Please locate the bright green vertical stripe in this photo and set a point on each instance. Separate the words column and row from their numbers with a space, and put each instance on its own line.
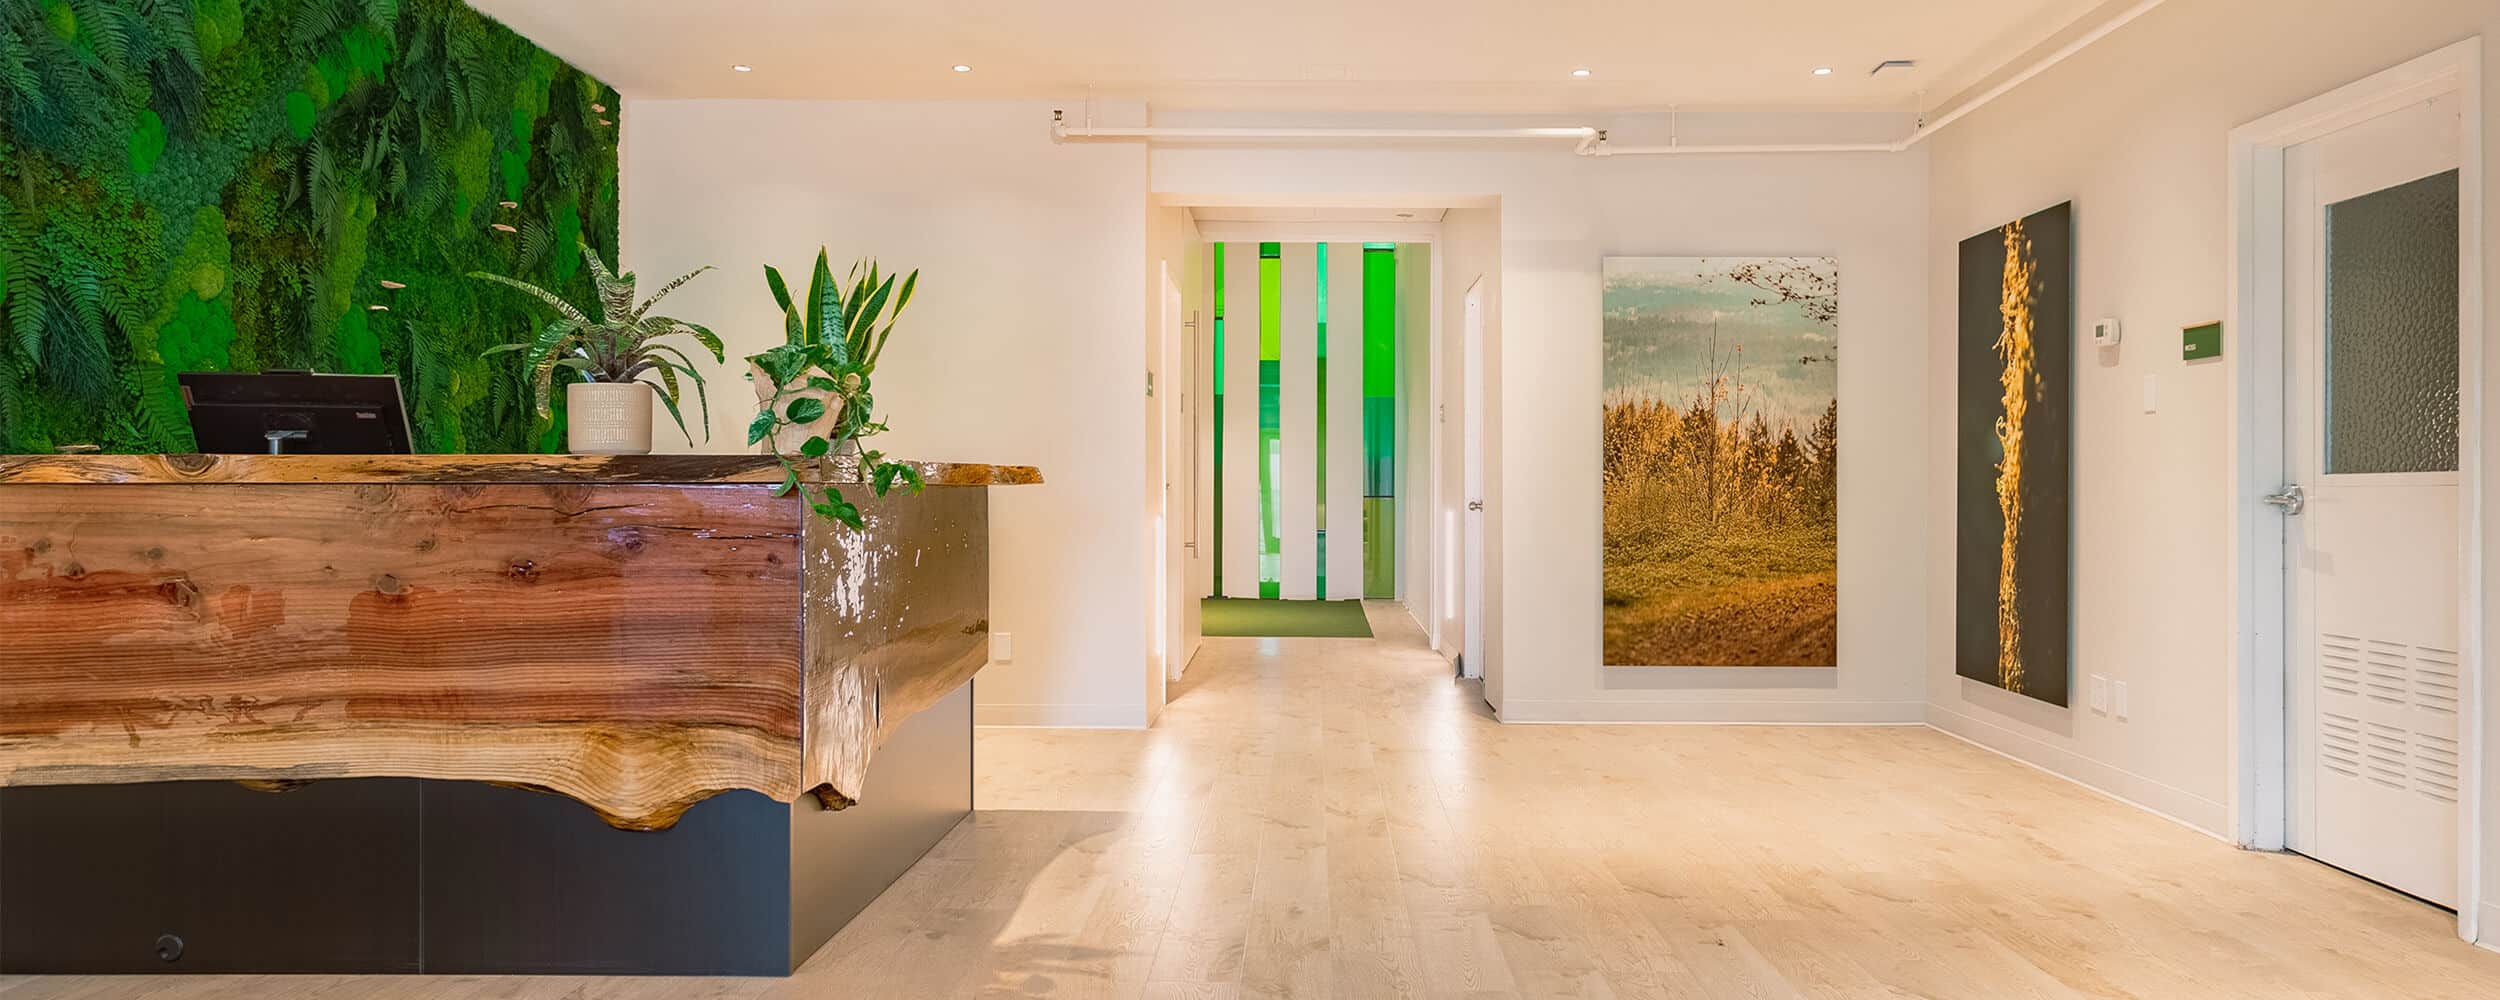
column 1219, row 420
column 1380, row 291
column 1322, row 449
column 1271, row 443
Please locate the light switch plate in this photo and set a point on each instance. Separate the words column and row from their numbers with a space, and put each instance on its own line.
column 2152, row 393
column 2100, row 694
column 1002, row 647
column 2118, row 699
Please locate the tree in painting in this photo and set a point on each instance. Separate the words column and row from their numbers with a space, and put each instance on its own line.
column 1721, row 437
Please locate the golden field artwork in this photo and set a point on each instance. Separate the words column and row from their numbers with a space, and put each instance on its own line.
column 1721, row 440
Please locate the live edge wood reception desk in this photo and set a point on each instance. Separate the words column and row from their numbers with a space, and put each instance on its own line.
column 462, row 714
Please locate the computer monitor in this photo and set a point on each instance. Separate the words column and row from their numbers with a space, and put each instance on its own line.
column 295, row 412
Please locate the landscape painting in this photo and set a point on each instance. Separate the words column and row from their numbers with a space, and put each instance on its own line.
column 1721, row 461
column 2013, row 464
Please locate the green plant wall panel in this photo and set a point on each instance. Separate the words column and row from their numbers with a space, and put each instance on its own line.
column 241, row 185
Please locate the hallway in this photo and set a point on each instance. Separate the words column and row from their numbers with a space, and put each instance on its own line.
column 1336, row 818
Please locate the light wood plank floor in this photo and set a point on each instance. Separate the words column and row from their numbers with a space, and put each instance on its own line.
column 1337, row 818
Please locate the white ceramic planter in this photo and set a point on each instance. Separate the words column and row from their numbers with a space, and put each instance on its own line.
column 787, row 438
column 607, row 418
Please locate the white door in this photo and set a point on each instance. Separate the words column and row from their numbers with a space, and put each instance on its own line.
column 2371, row 243
column 1472, row 659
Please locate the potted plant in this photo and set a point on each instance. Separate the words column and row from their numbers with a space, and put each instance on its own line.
column 814, row 395
column 621, row 357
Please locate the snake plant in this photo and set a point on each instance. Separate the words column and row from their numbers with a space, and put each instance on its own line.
column 831, row 342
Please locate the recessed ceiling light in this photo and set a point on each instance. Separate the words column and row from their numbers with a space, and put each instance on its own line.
column 1822, row 71
column 1580, row 73
column 961, row 68
column 1406, row 215
column 743, row 68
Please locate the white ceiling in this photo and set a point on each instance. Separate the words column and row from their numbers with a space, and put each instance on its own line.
column 1302, row 55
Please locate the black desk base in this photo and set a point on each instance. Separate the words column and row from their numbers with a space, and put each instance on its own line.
column 394, row 875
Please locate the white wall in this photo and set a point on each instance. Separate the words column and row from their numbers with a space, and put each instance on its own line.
column 1558, row 216
column 2133, row 130
column 1023, row 346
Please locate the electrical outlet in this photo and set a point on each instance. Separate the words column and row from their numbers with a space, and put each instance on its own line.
column 2100, row 694
column 1002, row 647
column 2118, row 699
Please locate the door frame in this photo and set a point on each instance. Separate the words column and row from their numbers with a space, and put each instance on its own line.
column 1470, row 558
column 2260, row 724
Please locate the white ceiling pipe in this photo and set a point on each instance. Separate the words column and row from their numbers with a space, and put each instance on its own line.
column 1582, row 135
column 1603, row 149
column 1591, row 141
column 2125, row 17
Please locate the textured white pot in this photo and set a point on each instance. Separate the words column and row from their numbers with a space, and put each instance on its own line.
column 787, row 438
column 607, row 418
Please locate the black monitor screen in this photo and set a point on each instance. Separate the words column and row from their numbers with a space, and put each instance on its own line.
column 296, row 413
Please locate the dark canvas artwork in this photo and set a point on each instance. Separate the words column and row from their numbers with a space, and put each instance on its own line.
column 2013, row 464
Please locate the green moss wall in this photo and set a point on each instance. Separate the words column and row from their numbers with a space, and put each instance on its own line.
column 238, row 185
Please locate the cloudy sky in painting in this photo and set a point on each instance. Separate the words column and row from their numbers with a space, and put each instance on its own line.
column 1660, row 312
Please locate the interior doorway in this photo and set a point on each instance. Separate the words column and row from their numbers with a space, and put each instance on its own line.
column 2359, row 280
column 1313, row 334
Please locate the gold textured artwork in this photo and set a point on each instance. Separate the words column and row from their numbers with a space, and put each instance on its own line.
column 2013, row 470
column 2014, row 345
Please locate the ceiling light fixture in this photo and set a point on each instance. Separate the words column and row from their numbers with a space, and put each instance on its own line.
column 743, row 68
column 1581, row 73
column 961, row 68
column 1822, row 71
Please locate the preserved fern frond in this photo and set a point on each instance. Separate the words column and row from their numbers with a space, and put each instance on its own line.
column 383, row 13
column 316, row 21
column 76, row 360
column 107, row 26
column 536, row 238
column 18, row 81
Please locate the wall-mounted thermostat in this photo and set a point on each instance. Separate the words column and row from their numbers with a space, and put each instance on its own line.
column 2105, row 333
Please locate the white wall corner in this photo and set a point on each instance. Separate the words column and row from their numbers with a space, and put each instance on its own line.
column 2196, row 812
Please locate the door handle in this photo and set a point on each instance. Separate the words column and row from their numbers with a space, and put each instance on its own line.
column 2291, row 500
column 1475, row 505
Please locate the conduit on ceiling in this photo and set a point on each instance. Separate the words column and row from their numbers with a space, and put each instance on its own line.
column 1588, row 140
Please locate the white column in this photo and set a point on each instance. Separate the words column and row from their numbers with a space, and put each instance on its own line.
column 1345, row 421
column 1241, row 420
column 1297, row 477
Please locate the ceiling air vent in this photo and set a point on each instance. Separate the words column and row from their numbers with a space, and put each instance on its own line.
column 1892, row 64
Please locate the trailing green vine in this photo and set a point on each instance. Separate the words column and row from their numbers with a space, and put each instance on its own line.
column 231, row 185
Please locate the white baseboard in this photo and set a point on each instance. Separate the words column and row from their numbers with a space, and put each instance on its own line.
column 1060, row 716
column 1717, row 713
column 2169, row 802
